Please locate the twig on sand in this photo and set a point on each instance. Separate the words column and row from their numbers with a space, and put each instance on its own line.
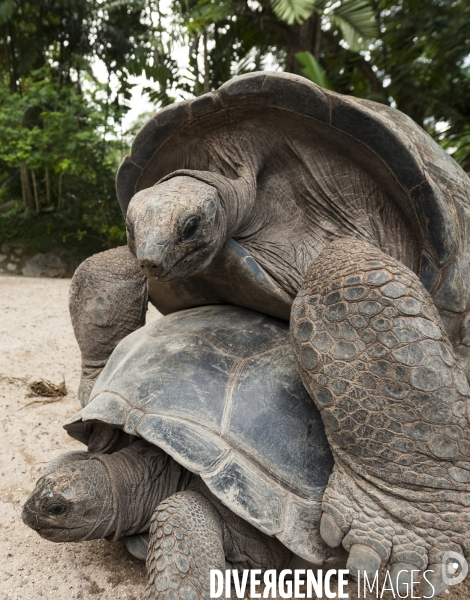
column 46, row 388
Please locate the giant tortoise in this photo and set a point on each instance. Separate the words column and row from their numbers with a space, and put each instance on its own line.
column 346, row 218
column 230, row 463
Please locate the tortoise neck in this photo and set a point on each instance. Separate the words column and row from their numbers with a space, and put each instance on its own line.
column 141, row 476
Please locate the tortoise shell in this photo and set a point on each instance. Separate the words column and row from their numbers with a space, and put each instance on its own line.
column 216, row 387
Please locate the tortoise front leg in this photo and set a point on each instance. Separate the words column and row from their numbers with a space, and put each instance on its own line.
column 108, row 301
column 190, row 534
column 374, row 355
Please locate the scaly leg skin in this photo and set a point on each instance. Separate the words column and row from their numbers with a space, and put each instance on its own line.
column 374, row 355
column 108, row 301
column 192, row 533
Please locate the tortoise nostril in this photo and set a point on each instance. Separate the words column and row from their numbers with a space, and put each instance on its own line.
column 151, row 267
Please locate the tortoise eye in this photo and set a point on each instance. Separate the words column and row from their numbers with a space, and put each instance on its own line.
column 189, row 228
column 56, row 509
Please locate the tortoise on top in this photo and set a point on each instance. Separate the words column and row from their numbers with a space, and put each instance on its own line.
column 344, row 216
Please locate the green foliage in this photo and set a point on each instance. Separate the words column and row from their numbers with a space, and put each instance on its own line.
column 313, row 70
column 58, row 125
column 292, row 11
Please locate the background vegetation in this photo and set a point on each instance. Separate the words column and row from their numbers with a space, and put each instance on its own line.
column 61, row 129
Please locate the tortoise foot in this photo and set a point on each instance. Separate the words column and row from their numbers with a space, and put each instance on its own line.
column 411, row 538
column 375, row 357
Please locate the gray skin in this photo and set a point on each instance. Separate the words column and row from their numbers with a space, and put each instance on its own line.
column 354, row 221
column 90, row 495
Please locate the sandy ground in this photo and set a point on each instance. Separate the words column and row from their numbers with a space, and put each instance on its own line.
column 37, row 342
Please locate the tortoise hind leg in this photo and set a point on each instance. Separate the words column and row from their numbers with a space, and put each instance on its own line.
column 374, row 355
column 190, row 534
column 107, row 302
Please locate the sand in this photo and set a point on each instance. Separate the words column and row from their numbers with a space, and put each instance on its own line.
column 37, row 342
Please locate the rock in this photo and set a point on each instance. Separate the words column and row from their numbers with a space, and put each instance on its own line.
column 11, row 267
column 45, row 265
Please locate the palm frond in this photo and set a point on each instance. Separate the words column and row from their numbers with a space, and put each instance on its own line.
column 7, row 8
column 312, row 69
column 356, row 19
column 292, row 11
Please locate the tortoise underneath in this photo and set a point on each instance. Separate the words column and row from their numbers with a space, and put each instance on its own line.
column 190, row 440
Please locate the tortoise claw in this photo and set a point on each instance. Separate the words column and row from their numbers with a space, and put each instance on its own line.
column 330, row 532
column 363, row 558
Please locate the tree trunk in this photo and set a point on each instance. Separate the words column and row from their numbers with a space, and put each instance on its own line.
column 35, row 187
column 25, row 186
column 207, row 87
column 303, row 38
column 48, row 187
column 59, row 194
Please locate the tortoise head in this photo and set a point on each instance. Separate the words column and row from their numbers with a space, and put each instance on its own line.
column 70, row 500
column 175, row 228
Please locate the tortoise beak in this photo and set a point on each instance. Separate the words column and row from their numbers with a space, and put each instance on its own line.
column 30, row 518
column 151, row 258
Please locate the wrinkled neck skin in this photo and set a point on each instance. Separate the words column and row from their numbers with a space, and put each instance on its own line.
column 140, row 476
column 237, row 197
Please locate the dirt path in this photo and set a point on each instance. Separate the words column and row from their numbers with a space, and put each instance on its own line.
column 37, row 342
